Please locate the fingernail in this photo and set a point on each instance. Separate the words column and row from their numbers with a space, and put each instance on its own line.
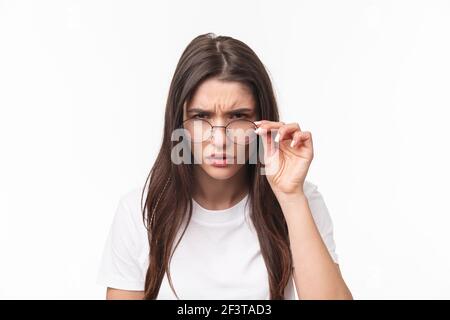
column 258, row 122
column 293, row 143
column 277, row 137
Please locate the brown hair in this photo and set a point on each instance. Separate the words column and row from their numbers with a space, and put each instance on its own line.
column 169, row 200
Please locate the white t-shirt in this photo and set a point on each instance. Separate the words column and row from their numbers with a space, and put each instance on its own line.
column 218, row 257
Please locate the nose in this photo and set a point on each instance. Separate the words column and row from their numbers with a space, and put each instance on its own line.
column 218, row 137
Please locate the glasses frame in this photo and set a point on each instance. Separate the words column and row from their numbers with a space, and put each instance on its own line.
column 212, row 127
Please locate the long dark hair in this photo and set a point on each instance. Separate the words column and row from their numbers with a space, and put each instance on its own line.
column 168, row 199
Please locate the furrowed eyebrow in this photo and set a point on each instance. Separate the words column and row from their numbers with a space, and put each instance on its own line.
column 239, row 110
column 198, row 110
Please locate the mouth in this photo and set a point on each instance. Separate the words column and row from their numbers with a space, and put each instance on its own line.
column 220, row 160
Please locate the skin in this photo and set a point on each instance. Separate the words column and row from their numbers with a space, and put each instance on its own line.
column 288, row 157
column 220, row 188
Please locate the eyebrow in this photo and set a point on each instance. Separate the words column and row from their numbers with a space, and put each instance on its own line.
column 238, row 110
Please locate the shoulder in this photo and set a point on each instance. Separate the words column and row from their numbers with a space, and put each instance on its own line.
column 309, row 188
column 315, row 199
column 123, row 264
column 132, row 200
column 321, row 215
column 318, row 206
column 129, row 213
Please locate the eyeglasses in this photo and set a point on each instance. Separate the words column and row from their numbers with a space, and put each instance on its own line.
column 239, row 131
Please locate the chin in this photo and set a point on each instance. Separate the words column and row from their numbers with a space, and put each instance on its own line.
column 221, row 173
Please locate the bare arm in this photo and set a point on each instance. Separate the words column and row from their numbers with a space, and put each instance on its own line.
column 287, row 157
column 117, row 294
column 316, row 276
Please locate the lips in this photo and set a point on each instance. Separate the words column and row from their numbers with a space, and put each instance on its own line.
column 220, row 156
column 220, row 160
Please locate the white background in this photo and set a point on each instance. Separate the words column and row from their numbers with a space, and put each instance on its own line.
column 82, row 95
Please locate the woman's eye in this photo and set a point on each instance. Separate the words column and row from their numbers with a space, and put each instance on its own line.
column 238, row 115
column 200, row 116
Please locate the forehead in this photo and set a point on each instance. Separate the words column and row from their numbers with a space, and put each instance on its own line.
column 224, row 95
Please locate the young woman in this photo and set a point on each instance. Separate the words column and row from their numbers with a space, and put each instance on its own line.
column 214, row 227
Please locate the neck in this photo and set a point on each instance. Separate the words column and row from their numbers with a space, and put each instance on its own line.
column 213, row 194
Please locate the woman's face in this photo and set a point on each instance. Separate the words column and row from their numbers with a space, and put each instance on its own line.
column 220, row 102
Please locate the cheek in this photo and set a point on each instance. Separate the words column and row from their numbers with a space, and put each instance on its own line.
column 197, row 150
column 201, row 150
column 241, row 154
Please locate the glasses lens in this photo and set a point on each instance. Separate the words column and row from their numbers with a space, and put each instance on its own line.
column 241, row 132
column 199, row 130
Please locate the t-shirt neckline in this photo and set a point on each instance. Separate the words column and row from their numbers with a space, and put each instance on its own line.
column 203, row 215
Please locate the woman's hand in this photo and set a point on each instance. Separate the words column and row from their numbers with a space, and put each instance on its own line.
column 287, row 156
